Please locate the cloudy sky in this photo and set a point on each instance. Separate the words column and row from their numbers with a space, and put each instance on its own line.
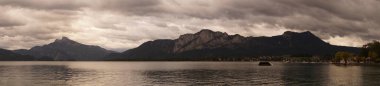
column 124, row 24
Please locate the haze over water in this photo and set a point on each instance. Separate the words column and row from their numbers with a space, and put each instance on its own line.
column 184, row 73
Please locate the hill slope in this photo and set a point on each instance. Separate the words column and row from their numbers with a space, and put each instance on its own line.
column 7, row 55
column 67, row 49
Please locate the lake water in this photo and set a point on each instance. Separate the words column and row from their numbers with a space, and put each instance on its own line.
column 184, row 73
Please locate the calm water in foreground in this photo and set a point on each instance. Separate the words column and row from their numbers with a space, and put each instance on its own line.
column 184, row 73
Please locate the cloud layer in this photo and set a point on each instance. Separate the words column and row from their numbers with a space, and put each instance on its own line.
column 124, row 24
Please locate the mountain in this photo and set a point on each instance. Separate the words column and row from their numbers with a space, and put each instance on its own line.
column 207, row 44
column 7, row 55
column 66, row 49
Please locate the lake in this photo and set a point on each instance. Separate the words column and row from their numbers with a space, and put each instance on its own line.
column 184, row 73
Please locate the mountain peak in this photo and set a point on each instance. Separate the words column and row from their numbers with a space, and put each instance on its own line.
column 65, row 40
column 307, row 32
column 67, row 49
column 204, row 39
column 304, row 37
column 291, row 33
column 205, row 31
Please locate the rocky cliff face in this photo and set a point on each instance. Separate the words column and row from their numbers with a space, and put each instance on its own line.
column 67, row 49
column 207, row 43
column 205, row 39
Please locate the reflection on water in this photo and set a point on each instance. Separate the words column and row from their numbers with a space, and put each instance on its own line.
column 370, row 75
column 305, row 74
column 183, row 73
column 345, row 75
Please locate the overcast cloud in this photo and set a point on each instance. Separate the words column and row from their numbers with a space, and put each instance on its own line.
column 124, row 24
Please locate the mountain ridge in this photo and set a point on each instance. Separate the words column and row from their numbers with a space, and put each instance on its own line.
column 66, row 49
column 207, row 43
column 8, row 55
column 203, row 45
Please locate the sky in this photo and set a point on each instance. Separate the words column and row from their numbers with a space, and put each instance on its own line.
column 124, row 24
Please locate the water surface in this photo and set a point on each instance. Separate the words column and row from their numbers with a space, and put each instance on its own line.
column 184, row 73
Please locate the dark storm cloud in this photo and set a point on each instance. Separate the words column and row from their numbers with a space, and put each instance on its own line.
column 128, row 23
column 131, row 7
column 9, row 23
column 326, row 18
column 45, row 4
column 336, row 17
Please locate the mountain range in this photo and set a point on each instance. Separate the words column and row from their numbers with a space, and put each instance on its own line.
column 203, row 45
column 66, row 49
column 211, row 45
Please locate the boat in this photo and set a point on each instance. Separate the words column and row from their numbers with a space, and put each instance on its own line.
column 265, row 63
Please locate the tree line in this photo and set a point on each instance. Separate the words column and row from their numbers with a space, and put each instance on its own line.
column 370, row 53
